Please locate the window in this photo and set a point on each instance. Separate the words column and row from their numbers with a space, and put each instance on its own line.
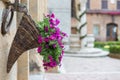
column 88, row 4
column 96, row 30
column 104, row 4
column 118, row 5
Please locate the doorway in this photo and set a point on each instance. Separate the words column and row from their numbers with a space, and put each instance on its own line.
column 112, row 32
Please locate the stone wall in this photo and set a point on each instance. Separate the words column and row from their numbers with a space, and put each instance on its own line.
column 20, row 70
column 5, row 43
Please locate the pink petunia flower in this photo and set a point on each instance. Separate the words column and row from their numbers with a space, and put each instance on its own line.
column 40, row 39
column 52, row 15
column 39, row 49
column 46, row 29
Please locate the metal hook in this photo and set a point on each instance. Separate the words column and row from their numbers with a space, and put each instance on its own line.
column 10, row 8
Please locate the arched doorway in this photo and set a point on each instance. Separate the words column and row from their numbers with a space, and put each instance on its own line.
column 112, row 32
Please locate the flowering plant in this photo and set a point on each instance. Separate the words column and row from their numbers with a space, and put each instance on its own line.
column 50, row 40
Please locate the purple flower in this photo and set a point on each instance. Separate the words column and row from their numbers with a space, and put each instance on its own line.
column 52, row 15
column 60, row 43
column 64, row 34
column 39, row 49
column 62, row 52
column 59, row 37
column 47, row 46
column 46, row 29
column 54, row 45
column 60, row 58
column 57, row 30
column 53, row 64
column 50, row 58
column 51, row 21
column 40, row 39
column 46, row 39
column 62, row 46
column 52, row 37
column 57, row 22
column 52, row 26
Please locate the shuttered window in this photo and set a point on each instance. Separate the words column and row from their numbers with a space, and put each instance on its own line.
column 88, row 4
column 118, row 5
column 96, row 30
column 104, row 4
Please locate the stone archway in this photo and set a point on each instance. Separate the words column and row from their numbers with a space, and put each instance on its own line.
column 111, row 33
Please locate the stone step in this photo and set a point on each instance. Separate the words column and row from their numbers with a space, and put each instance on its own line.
column 75, row 42
column 101, row 54
column 104, row 53
column 75, row 47
column 74, row 37
column 87, row 52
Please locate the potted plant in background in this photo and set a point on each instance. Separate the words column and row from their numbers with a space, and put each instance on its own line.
column 50, row 41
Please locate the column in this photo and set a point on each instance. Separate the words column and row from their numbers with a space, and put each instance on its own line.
column 83, row 20
column 37, row 9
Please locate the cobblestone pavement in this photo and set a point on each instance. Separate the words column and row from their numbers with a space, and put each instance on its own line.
column 76, row 68
column 84, row 76
column 98, row 64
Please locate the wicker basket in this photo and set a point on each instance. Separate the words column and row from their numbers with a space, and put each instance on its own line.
column 25, row 39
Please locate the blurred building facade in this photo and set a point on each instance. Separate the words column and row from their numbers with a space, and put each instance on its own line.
column 103, row 19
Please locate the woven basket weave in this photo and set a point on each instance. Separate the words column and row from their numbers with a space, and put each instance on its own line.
column 25, row 39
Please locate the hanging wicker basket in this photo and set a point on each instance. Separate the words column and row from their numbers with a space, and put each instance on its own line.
column 25, row 39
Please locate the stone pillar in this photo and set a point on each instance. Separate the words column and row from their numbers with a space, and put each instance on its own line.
column 42, row 9
column 37, row 9
column 62, row 11
column 23, row 66
column 83, row 20
column 23, row 61
column 5, row 43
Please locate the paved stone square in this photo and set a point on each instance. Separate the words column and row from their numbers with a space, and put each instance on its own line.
column 77, row 68
column 98, row 64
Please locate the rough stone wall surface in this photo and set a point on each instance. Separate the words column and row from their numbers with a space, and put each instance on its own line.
column 5, row 43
